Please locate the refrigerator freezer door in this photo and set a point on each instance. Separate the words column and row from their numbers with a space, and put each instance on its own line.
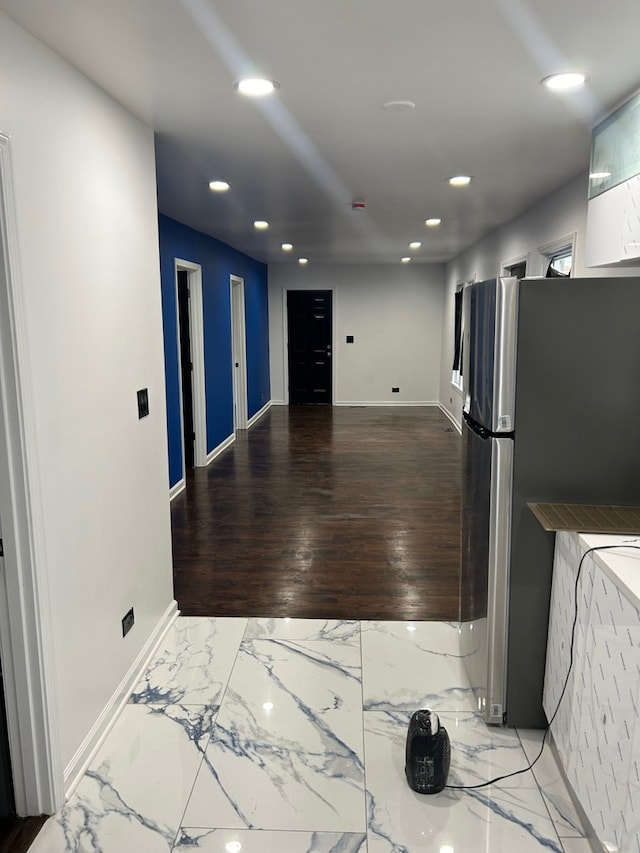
column 476, row 489
column 486, row 536
column 498, row 577
column 491, row 343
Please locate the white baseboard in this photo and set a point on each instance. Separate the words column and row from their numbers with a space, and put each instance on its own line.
column 279, row 403
column 220, row 448
column 180, row 486
column 395, row 403
column 451, row 418
column 75, row 770
column 263, row 411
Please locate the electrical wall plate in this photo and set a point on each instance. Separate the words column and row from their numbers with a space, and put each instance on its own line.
column 128, row 621
column 143, row 402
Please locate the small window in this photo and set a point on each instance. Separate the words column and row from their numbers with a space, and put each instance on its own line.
column 556, row 258
column 560, row 264
column 517, row 270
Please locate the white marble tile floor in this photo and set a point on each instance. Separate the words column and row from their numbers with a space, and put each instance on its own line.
column 288, row 736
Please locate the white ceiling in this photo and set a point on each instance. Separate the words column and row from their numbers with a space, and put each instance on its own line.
column 301, row 157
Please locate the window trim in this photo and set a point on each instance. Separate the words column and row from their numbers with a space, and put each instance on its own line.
column 507, row 265
column 550, row 250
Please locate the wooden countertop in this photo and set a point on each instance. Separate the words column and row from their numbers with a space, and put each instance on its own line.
column 587, row 518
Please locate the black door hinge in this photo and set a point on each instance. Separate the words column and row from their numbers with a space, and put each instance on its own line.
column 1, row 548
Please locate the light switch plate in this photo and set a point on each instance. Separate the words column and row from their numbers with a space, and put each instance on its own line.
column 143, row 403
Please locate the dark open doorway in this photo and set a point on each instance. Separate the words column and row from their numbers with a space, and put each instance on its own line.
column 186, row 366
column 310, row 346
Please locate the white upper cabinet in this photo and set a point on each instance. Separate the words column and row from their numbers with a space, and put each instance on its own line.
column 613, row 218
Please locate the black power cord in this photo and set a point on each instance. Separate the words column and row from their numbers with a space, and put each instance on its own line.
column 566, row 681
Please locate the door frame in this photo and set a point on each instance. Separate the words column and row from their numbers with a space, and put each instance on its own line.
column 285, row 338
column 238, row 353
column 26, row 631
column 196, row 334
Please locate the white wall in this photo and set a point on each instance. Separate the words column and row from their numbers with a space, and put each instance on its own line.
column 560, row 215
column 84, row 183
column 395, row 316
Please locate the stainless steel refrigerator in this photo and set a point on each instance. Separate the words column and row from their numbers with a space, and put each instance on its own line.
column 551, row 371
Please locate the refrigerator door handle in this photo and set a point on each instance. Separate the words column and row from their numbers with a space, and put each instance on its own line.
column 504, row 380
column 498, row 580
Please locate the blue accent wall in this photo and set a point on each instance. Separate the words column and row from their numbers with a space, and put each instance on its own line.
column 218, row 262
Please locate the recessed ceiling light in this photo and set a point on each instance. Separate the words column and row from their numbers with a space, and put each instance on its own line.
column 218, row 186
column 415, row 245
column 303, row 261
column 598, row 176
column 405, row 260
column 287, row 247
column 398, row 106
column 432, row 222
column 260, row 224
column 564, row 81
column 256, row 86
column 460, row 180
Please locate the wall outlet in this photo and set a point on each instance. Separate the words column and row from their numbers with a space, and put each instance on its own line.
column 143, row 403
column 127, row 622
column 395, row 390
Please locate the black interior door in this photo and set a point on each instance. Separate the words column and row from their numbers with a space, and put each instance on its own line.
column 6, row 782
column 186, row 367
column 309, row 322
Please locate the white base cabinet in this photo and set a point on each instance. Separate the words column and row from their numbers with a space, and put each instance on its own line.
column 596, row 728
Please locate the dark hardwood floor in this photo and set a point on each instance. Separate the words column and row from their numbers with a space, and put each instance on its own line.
column 321, row 512
column 17, row 835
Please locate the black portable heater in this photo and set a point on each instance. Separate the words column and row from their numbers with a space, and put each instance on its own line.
column 428, row 753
